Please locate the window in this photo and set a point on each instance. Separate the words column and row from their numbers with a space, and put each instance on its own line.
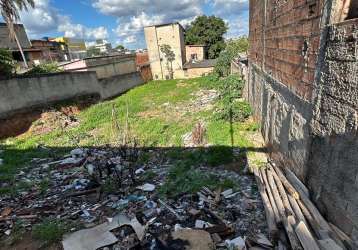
column 345, row 10
column 194, row 56
column 353, row 10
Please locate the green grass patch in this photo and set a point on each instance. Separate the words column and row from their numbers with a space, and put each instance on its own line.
column 50, row 231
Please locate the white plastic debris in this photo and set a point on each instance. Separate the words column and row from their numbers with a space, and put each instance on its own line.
column 90, row 169
column 8, row 232
column 77, row 152
column 202, row 224
column 236, row 244
column 1, row 162
column 139, row 171
column 70, row 161
column 147, row 187
column 227, row 192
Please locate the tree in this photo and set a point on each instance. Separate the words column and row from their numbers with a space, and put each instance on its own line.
column 209, row 31
column 92, row 51
column 170, row 57
column 233, row 48
column 10, row 12
column 120, row 47
column 6, row 63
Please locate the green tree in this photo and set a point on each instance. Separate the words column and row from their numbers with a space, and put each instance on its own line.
column 233, row 48
column 209, row 31
column 92, row 51
column 170, row 57
column 6, row 63
column 120, row 47
column 10, row 12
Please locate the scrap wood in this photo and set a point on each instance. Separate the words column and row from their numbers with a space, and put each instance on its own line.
column 297, row 210
column 270, row 195
column 84, row 192
column 283, row 194
column 293, row 179
column 305, row 237
column 348, row 242
column 291, row 190
column 268, row 208
column 289, row 224
column 6, row 212
column 329, row 244
column 275, row 194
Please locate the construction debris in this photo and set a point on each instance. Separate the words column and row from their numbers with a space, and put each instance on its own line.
column 288, row 206
column 114, row 205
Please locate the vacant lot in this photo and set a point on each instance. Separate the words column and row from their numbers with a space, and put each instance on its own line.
column 170, row 135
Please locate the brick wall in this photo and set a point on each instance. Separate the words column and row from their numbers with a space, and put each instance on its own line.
column 284, row 41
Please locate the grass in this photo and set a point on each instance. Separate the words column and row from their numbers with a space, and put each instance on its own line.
column 157, row 117
column 50, row 232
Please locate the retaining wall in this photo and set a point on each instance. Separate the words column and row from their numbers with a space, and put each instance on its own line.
column 23, row 93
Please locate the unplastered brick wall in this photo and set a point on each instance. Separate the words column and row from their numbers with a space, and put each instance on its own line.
column 284, row 41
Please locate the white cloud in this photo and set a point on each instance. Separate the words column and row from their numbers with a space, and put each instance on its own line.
column 130, row 39
column 44, row 19
column 80, row 31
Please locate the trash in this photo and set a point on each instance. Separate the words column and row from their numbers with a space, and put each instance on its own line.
column 263, row 241
column 77, row 152
column 228, row 192
column 236, row 244
column 147, row 187
column 1, row 161
column 6, row 212
column 170, row 209
column 194, row 239
column 101, row 236
column 139, row 171
column 8, row 232
column 202, row 224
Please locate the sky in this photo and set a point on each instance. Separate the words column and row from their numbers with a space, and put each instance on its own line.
column 122, row 21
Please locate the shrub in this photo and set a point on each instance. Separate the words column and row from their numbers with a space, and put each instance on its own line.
column 233, row 48
column 6, row 63
column 46, row 68
column 50, row 231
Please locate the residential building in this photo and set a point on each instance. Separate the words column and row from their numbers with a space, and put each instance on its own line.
column 303, row 88
column 51, row 51
column 103, row 46
column 166, row 34
column 195, row 68
column 105, row 66
column 186, row 57
column 196, row 52
column 76, row 47
column 30, row 53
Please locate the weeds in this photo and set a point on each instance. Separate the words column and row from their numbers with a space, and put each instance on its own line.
column 183, row 178
column 50, row 231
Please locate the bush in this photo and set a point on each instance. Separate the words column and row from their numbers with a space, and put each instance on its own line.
column 46, row 68
column 50, row 231
column 230, row 107
column 6, row 63
column 233, row 48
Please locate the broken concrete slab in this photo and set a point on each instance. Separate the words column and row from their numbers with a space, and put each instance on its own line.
column 196, row 239
column 100, row 236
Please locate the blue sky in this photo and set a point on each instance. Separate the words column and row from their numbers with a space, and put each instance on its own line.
column 122, row 21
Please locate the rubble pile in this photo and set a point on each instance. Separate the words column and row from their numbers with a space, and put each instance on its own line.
column 117, row 203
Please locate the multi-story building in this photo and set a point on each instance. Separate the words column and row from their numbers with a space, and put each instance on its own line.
column 165, row 34
column 51, row 51
column 103, row 46
column 76, row 47
column 31, row 54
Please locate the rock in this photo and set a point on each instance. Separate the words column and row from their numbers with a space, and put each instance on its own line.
column 236, row 244
column 147, row 187
column 194, row 239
